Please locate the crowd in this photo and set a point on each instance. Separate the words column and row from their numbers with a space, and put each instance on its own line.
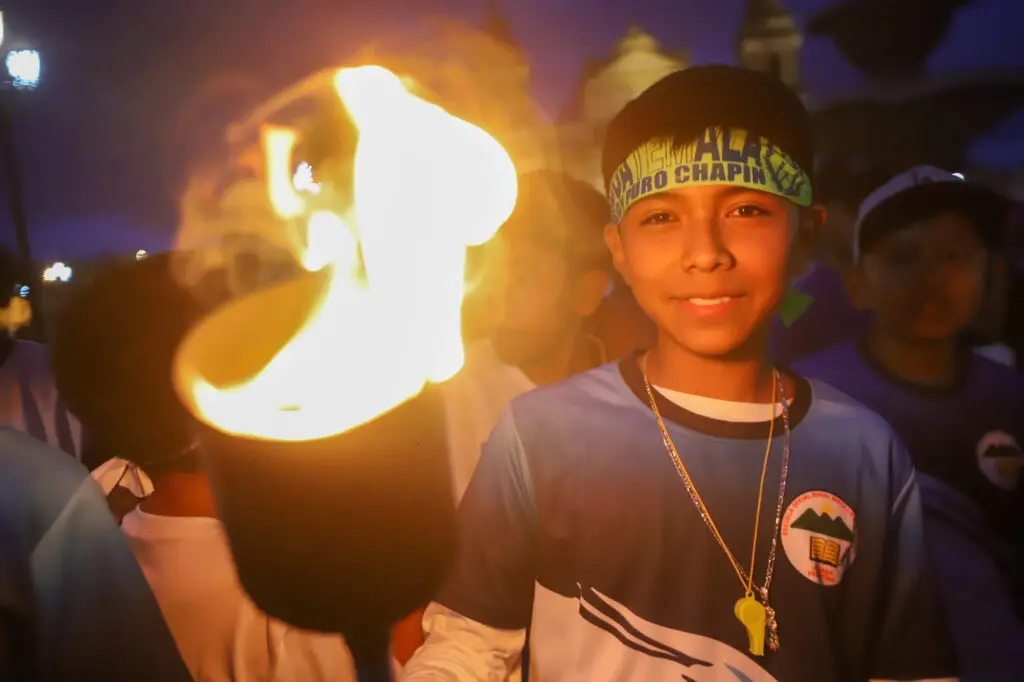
column 749, row 497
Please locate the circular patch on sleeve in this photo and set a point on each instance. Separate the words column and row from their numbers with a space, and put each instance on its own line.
column 819, row 536
column 1000, row 459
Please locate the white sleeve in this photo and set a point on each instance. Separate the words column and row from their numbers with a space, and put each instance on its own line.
column 458, row 649
column 315, row 657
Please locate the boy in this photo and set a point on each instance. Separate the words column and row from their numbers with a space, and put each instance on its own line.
column 554, row 273
column 613, row 513
column 926, row 248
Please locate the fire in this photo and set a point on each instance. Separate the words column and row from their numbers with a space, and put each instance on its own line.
column 386, row 282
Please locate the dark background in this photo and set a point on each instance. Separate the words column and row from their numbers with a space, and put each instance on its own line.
column 133, row 90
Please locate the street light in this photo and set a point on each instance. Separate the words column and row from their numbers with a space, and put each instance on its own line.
column 24, row 68
column 58, row 272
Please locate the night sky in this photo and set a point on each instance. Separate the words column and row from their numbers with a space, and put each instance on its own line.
column 104, row 142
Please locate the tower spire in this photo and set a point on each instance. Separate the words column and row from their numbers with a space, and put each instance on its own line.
column 770, row 41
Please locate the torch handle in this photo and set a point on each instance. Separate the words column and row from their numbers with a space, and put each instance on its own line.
column 375, row 673
column 372, row 658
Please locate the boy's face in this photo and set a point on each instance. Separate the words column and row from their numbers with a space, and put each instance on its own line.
column 544, row 301
column 709, row 264
column 925, row 281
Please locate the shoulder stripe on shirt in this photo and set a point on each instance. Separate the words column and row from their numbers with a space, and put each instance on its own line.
column 907, row 487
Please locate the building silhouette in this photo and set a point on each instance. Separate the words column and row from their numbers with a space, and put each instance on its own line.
column 770, row 41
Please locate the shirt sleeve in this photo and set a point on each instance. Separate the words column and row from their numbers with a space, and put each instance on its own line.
column 477, row 628
column 94, row 614
column 911, row 641
column 459, row 649
column 313, row 657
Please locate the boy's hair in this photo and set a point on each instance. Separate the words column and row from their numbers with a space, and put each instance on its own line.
column 681, row 106
column 559, row 212
column 116, row 337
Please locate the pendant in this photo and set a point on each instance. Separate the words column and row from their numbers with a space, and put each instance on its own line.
column 773, row 629
column 773, row 624
column 754, row 618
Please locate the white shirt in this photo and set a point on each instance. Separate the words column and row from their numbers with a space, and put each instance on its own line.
column 28, row 398
column 474, row 399
column 221, row 635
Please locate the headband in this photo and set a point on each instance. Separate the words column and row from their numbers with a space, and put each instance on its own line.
column 718, row 157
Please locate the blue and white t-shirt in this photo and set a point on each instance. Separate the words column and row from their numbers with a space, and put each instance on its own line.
column 967, row 435
column 964, row 441
column 577, row 526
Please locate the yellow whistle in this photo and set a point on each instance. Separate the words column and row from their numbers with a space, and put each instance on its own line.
column 752, row 614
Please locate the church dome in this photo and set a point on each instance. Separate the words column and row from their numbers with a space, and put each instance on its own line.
column 636, row 40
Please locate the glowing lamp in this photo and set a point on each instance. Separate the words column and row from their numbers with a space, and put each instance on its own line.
column 58, row 272
column 324, row 430
column 25, row 68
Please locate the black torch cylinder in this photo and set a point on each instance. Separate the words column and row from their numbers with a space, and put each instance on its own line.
column 346, row 534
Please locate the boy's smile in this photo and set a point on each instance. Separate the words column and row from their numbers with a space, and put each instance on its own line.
column 708, row 263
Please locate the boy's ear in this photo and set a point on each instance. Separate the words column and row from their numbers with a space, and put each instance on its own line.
column 613, row 239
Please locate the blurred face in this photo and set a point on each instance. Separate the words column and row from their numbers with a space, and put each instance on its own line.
column 926, row 281
column 708, row 264
column 543, row 302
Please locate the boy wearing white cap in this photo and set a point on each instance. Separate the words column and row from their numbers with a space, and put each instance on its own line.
column 927, row 243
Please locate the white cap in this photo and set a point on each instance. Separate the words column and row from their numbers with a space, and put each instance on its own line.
column 933, row 186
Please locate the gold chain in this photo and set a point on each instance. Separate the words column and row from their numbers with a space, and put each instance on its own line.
column 746, row 580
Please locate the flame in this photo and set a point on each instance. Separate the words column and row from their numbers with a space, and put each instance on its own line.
column 390, row 267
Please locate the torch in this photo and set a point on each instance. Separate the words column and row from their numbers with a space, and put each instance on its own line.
column 322, row 426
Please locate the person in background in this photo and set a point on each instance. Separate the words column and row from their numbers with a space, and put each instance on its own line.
column 29, row 401
column 620, row 323
column 74, row 606
column 553, row 275
column 116, row 341
column 613, row 514
column 926, row 246
column 830, row 317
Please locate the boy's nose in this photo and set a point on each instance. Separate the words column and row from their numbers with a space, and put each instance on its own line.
column 703, row 247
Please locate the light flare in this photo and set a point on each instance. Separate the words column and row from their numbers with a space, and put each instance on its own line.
column 387, row 320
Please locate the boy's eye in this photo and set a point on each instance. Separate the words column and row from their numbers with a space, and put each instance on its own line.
column 747, row 211
column 659, row 218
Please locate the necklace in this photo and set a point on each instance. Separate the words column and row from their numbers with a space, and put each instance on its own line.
column 753, row 609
